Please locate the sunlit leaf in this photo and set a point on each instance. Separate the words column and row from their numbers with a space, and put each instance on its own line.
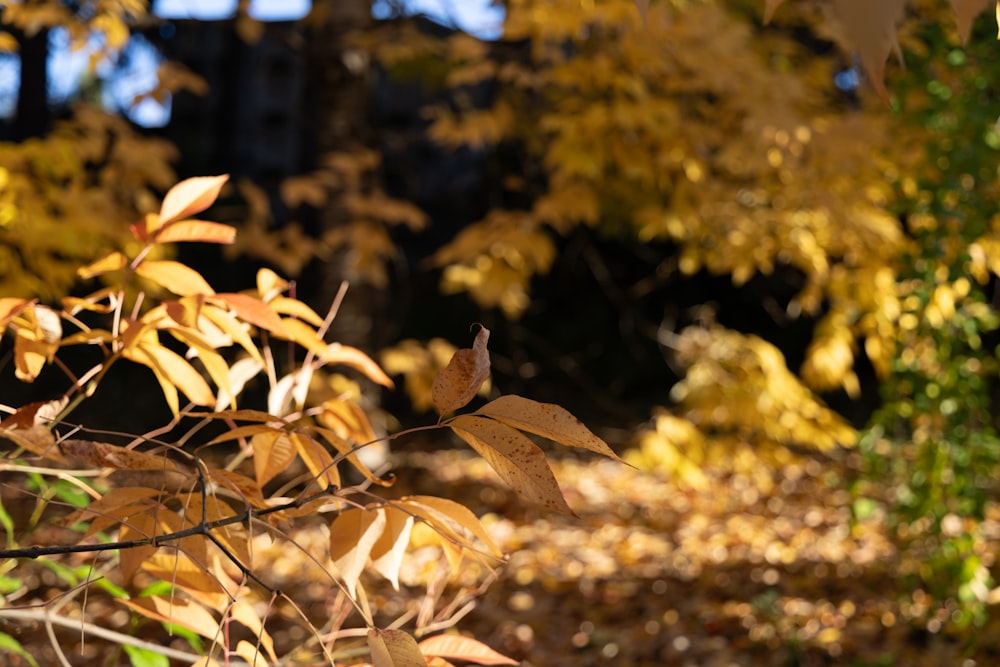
column 105, row 455
column 353, row 534
column 458, row 647
column 517, row 460
column 547, row 420
column 394, row 648
column 176, row 611
column 189, row 197
column 272, row 452
column 458, row 382
column 174, row 276
column 253, row 311
column 115, row 261
column 201, row 231
column 388, row 551
column 440, row 512
column 318, row 460
column 335, row 353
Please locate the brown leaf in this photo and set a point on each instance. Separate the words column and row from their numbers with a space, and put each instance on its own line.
column 547, row 420
column 458, row 647
column 318, row 460
column 272, row 452
column 439, row 512
column 871, row 28
column 36, row 439
column 458, row 382
column 394, row 648
column 173, row 610
column 105, row 455
column 518, row 461
column 34, row 414
column 769, row 7
column 966, row 12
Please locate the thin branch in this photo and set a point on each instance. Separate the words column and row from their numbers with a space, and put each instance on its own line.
column 39, row 616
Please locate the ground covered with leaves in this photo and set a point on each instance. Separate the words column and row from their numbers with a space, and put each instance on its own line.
column 653, row 574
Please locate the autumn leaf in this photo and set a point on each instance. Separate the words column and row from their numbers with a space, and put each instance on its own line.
column 388, row 551
column 517, row 460
column 36, row 439
column 318, row 460
column 190, row 196
column 200, row 231
column 253, row 311
column 174, row 276
column 173, row 610
column 457, row 647
column 115, row 261
column 457, row 383
column 336, row 353
column 353, row 535
column 272, row 452
column 440, row 513
column 105, row 455
column 394, row 648
column 547, row 420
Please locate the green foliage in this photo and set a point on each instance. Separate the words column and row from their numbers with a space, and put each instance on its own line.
column 933, row 448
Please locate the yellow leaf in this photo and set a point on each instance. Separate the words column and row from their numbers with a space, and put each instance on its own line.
column 394, row 648
column 388, row 551
column 547, row 420
column 113, row 262
column 295, row 308
column 174, row 276
column 272, row 452
column 518, row 461
column 175, row 611
column 318, row 460
column 178, row 372
column 195, row 230
column 458, row 647
column 253, row 311
column 456, row 384
column 189, row 197
column 353, row 534
column 335, row 353
column 439, row 512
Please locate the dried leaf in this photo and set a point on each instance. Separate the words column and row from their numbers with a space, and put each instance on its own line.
column 36, row 439
column 174, row 369
column 871, row 28
column 241, row 485
column 547, row 420
column 458, row 382
column 394, row 648
column 458, row 647
column 387, row 553
column 769, row 7
column 443, row 511
column 175, row 611
column 518, row 461
column 105, row 455
column 189, row 197
column 243, row 613
column 174, row 276
column 318, row 460
column 966, row 12
column 272, row 452
column 34, row 414
column 353, row 534
column 295, row 308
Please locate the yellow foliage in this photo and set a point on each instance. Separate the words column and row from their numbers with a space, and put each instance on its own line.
column 419, row 363
column 739, row 385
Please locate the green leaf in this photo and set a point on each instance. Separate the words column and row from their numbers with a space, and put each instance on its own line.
column 143, row 657
column 10, row 645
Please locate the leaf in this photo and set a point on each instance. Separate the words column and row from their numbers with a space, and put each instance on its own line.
column 241, row 485
column 966, row 12
column 239, row 373
column 547, row 420
column 769, row 7
column 871, row 28
column 458, row 647
column 9, row 309
column 8, row 643
column 388, row 551
column 394, row 648
column 190, row 196
column 318, row 460
column 37, row 440
column 295, row 308
column 175, row 611
column 272, row 452
column 518, row 461
column 353, row 534
column 105, row 455
column 170, row 366
column 253, row 311
column 34, row 414
column 442, row 511
column 116, row 261
column 456, row 384
column 335, row 353
column 195, row 230
column 174, row 276
column 144, row 657
column 243, row 613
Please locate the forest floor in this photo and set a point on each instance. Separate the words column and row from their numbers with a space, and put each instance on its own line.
column 647, row 573
column 652, row 574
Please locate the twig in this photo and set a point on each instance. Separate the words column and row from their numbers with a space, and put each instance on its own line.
column 97, row 631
